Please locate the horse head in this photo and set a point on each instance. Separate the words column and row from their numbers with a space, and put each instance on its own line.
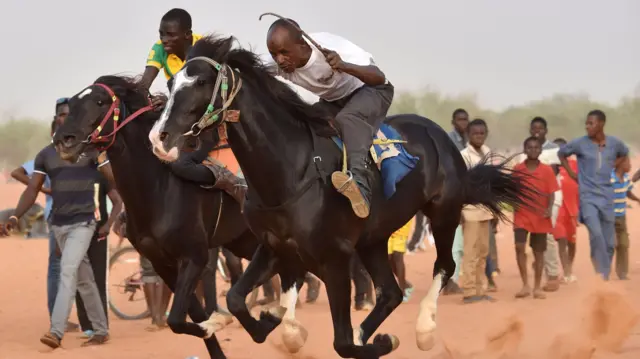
column 201, row 93
column 96, row 114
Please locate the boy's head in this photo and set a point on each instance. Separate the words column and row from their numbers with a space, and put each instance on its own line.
column 460, row 120
column 62, row 110
column 532, row 148
column 624, row 165
column 560, row 141
column 538, row 128
column 477, row 132
column 175, row 30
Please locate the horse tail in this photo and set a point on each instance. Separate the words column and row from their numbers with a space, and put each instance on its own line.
column 498, row 188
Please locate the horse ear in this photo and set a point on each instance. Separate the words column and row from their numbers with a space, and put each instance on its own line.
column 223, row 50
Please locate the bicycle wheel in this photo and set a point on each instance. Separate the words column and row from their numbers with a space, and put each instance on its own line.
column 127, row 300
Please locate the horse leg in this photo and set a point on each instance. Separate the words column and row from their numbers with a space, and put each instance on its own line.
column 294, row 335
column 196, row 311
column 189, row 274
column 389, row 295
column 260, row 269
column 443, row 268
column 337, row 279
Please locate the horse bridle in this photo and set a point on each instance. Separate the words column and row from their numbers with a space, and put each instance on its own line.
column 113, row 113
column 212, row 115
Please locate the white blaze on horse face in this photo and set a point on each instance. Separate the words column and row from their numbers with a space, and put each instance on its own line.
column 426, row 325
column 85, row 93
column 180, row 81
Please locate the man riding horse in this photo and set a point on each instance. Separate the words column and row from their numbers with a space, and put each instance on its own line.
column 169, row 54
column 350, row 86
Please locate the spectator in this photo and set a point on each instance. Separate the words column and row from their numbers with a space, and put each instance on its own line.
column 622, row 187
column 566, row 225
column 476, row 222
column 460, row 122
column 73, row 222
column 549, row 156
column 23, row 174
column 535, row 222
column 597, row 155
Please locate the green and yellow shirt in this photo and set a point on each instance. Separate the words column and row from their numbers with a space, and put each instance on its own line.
column 170, row 63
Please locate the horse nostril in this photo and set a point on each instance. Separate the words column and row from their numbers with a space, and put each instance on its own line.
column 163, row 136
column 69, row 138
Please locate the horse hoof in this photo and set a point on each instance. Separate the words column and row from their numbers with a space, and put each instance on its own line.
column 216, row 322
column 425, row 341
column 387, row 341
column 277, row 311
column 294, row 336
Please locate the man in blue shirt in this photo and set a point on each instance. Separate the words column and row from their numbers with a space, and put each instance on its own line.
column 598, row 155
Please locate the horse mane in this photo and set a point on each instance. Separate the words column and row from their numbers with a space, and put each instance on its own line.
column 253, row 70
column 129, row 91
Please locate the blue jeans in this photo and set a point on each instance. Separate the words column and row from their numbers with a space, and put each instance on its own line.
column 53, row 273
column 489, row 267
column 601, row 225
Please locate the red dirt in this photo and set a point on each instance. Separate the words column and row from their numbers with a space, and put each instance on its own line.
column 584, row 320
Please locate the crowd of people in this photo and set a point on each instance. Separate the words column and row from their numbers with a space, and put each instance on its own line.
column 585, row 180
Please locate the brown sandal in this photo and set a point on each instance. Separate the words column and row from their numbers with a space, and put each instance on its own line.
column 96, row 340
column 51, row 340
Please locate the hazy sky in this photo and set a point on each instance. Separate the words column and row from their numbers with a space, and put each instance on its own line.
column 508, row 52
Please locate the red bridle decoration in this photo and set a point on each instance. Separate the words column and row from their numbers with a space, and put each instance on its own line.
column 114, row 112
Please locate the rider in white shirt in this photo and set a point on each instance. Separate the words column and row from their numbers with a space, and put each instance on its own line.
column 350, row 86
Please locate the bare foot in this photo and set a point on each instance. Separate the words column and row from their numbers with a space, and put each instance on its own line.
column 538, row 294
column 524, row 292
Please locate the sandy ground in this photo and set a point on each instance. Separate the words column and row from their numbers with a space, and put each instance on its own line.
column 567, row 325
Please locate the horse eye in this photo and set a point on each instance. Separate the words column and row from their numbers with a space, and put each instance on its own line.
column 200, row 82
column 100, row 103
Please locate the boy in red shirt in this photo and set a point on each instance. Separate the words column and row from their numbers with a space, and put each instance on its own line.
column 534, row 222
column 566, row 225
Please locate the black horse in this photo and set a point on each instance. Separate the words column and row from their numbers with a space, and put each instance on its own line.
column 304, row 225
column 170, row 221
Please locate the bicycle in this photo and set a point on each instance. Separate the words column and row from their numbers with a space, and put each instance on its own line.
column 131, row 286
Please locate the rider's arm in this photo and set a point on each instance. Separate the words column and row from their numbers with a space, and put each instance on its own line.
column 155, row 61
column 189, row 166
column 370, row 75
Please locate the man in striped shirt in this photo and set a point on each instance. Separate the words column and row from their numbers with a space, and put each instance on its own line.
column 622, row 190
column 74, row 218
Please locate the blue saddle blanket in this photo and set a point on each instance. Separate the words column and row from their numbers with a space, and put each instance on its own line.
column 392, row 159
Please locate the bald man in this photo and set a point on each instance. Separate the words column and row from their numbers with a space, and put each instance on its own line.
column 350, row 86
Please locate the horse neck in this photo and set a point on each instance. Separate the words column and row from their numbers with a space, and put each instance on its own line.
column 273, row 151
column 136, row 170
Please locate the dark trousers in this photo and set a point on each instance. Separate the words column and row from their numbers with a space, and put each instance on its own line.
column 418, row 232
column 622, row 247
column 361, row 279
column 359, row 116
column 98, row 257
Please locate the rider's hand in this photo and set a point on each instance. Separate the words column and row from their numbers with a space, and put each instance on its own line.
column 158, row 101
column 103, row 232
column 120, row 226
column 8, row 226
column 334, row 60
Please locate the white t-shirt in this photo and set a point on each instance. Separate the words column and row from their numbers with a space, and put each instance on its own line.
column 318, row 77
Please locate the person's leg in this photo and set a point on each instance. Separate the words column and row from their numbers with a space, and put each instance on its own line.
column 418, row 232
column 551, row 266
column 493, row 249
column 563, row 253
column 88, row 289
column 74, row 242
column 608, row 225
column 53, row 272
column 153, row 293
column 520, row 237
column 457, row 251
column 482, row 246
column 622, row 247
column 599, row 257
column 359, row 119
column 361, row 283
column 538, row 243
column 471, row 233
